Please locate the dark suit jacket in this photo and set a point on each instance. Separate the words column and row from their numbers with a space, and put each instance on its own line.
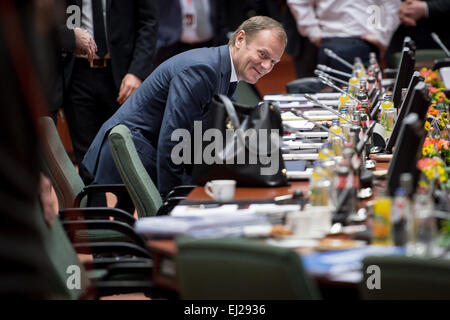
column 169, row 31
column 131, row 33
column 175, row 95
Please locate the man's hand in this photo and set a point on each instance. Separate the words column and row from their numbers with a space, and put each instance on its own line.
column 129, row 84
column 373, row 40
column 84, row 44
column 411, row 11
column 48, row 200
column 315, row 41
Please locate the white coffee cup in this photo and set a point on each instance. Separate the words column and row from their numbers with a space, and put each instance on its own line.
column 221, row 190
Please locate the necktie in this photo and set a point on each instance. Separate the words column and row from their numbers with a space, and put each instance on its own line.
column 99, row 27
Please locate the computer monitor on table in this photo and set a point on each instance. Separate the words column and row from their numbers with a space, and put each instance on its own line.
column 404, row 74
column 410, row 141
column 403, row 111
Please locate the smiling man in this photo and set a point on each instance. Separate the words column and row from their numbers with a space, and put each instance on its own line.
column 178, row 93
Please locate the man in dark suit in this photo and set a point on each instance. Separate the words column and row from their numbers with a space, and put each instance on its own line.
column 178, row 93
column 125, row 35
column 204, row 19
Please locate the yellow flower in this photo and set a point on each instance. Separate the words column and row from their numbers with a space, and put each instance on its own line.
column 427, row 125
column 427, row 150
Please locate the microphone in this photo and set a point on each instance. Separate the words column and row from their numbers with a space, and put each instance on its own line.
column 332, row 85
column 326, row 75
column 301, row 114
column 440, row 44
column 333, row 55
column 330, row 70
column 310, row 98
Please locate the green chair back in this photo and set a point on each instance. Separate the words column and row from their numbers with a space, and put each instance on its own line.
column 140, row 186
column 247, row 93
column 424, row 57
column 63, row 263
column 58, row 166
column 240, row 269
column 404, row 277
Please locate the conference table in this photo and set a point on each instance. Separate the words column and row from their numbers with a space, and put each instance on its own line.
column 164, row 251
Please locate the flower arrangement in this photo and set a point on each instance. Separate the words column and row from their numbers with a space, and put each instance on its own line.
column 433, row 147
column 431, row 77
column 436, row 148
column 434, row 171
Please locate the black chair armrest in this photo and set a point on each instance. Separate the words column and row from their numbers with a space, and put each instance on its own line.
column 180, row 191
column 168, row 205
column 120, row 248
column 104, row 263
column 97, row 213
column 116, row 189
column 72, row 226
column 112, row 287
column 142, row 269
column 441, row 63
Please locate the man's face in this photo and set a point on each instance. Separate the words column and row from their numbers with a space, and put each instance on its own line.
column 256, row 56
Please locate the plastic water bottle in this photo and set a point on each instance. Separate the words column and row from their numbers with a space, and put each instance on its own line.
column 343, row 98
column 386, row 103
column 400, row 212
column 336, row 143
column 319, row 186
column 423, row 228
column 382, row 225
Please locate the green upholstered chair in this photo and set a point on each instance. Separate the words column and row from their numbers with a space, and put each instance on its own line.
column 424, row 57
column 405, row 277
column 69, row 188
column 146, row 198
column 141, row 188
column 240, row 269
column 105, row 277
column 247, row 93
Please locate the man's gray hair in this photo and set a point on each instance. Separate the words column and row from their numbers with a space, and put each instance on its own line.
column 256, row 24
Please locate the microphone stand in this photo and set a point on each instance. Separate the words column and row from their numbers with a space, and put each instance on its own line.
column 320, row 104
column 329, row 77
column 440, row 44
column 333, row 55
column 330, row 70
column 332, row 85
column 301, row 114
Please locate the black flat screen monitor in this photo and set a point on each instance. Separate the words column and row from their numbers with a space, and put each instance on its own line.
column 404, row 74
column 410, row 140
column 403, row 111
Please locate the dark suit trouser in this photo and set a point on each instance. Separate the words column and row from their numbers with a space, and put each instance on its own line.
column 91, row 101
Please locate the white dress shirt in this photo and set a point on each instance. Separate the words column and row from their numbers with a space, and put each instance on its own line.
column 317, row 19
column 233, row 77
column 87, row 22
column 196, row 24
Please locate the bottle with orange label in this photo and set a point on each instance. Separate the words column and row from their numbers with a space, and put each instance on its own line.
column 382, row 224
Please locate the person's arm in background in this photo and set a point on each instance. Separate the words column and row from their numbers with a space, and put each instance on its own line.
column 48, row 199
column 307, row 22
column 77, row 41
column 381, row 36
column 144, row 49
column 413, row 10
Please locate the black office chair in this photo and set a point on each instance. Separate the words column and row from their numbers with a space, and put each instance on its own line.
column 305, row 85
